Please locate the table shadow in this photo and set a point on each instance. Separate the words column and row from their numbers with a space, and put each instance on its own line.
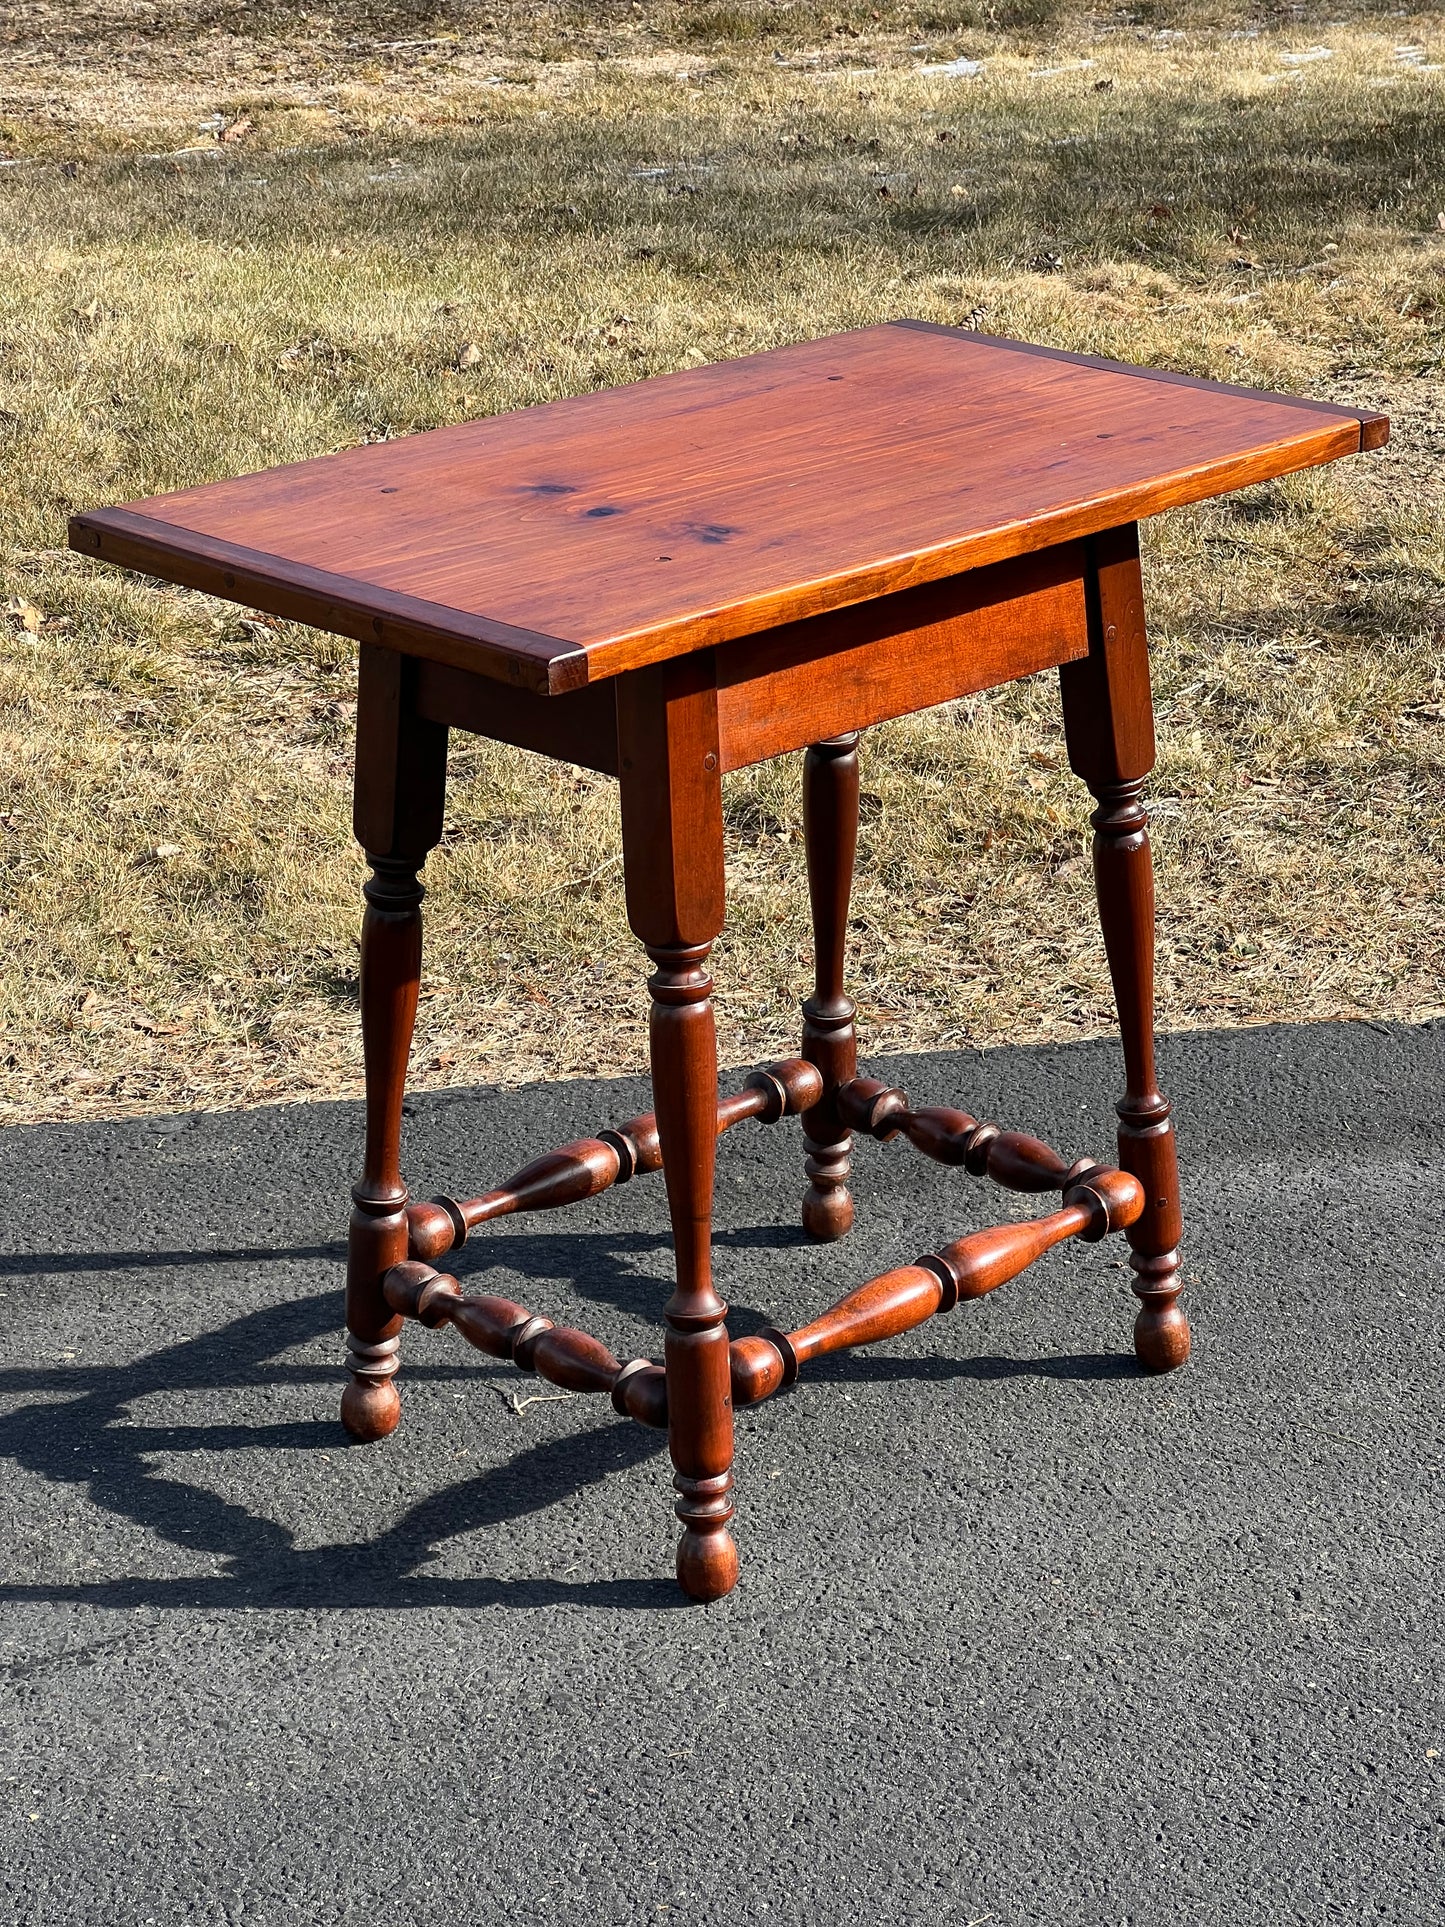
column 84, row 1435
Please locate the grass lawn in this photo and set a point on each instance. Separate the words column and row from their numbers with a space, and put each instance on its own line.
column 237, row 235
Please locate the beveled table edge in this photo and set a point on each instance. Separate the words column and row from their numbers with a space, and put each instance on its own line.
column 341, row 604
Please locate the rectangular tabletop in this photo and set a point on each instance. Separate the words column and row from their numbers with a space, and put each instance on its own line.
column 571, row 541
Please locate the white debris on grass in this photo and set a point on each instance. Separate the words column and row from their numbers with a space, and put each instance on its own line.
column 961, row 69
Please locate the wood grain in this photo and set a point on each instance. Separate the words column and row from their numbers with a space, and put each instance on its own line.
column 672, row 841
column 579, row 727
column 1374, row 427
column 397, row 812
column 1108, row 725
column 838, row 673
column 576, row 540
column 830, row 1041
column 590, row 1165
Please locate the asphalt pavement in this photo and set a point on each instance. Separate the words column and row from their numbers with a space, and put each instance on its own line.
column 1021, row 1636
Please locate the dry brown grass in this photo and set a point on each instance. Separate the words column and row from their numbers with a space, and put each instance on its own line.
column 595, row 194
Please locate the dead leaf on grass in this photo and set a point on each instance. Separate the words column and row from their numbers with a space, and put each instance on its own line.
column 469, row 356
column 26, row 615
column 239, row 129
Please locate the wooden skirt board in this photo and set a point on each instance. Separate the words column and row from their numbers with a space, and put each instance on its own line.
column 811, row 679
column 667, row 582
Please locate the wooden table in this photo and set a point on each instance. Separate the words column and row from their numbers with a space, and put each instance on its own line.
column 669, row 581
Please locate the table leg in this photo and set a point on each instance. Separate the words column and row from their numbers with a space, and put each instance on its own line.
column 400, row 786
column 830, row 833
column 672, row 847
column 1109, row 724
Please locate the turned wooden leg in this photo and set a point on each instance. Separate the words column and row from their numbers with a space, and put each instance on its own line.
column 1124, row 879
column 1108, row 720
column 400, row 781
column 695, row 1349
column 672, row 846
column 830, row 832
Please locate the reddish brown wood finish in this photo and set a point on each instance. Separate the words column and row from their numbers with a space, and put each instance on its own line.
column 400, row 785
column 757, row 1369
column 834, row 674
column 1109, row 725
column 592, row 1164
column 762, row 555
column 673, row 855
column 985, row 1260
column 1374, row 429
column 559, row 1353
column 580, row 727
column 969, row 1268
column 880, row 1309
column 1010, row 1158
column 830, row 834
column 592, row 536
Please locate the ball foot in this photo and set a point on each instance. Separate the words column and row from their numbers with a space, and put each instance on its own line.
column 707, row 1564
column 1161, row 1338
column 827, row 1215
column 370, row 1409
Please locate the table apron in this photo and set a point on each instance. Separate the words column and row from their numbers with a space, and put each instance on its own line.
column 579, row 727
column 908, row 651
column 809, row 680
